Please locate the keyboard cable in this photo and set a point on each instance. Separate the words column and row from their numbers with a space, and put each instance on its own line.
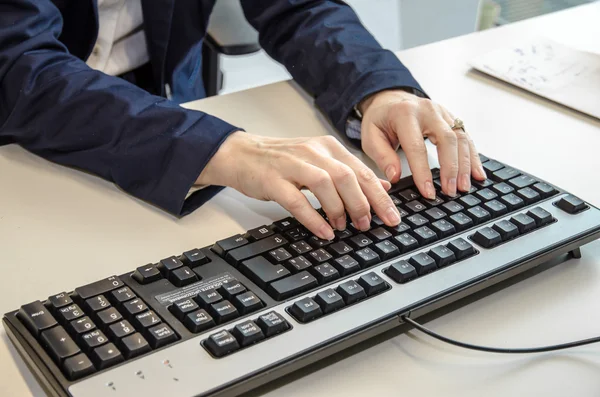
column 488, row 349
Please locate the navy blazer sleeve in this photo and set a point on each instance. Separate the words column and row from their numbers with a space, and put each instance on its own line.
column 54, row 105
column 328, row 52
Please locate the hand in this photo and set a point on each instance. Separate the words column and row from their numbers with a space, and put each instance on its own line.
column 396, row 117
column 277, row 168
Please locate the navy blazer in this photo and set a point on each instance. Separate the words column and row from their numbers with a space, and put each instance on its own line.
column 54, row 105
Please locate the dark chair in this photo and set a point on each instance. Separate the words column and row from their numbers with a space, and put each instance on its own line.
column 229, row 33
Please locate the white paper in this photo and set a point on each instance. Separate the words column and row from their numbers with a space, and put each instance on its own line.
column 560, row 73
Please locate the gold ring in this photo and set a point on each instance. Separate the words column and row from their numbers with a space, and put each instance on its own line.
column 458, row 124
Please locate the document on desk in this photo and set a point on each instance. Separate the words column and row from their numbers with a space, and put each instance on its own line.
column 547, row 68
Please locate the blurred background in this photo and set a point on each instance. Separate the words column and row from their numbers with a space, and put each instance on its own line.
column 396, row 24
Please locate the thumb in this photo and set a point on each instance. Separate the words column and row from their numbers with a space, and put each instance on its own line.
column 379, row 148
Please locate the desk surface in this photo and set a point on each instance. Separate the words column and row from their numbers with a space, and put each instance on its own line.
column 60, row 228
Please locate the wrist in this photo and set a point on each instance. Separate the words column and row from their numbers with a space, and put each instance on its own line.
column 219, row 168
column 366, row 103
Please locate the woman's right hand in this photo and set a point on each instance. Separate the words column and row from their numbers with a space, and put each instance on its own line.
column 276, row 169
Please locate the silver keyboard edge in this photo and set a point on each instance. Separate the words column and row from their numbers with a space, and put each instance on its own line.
column 193, row 372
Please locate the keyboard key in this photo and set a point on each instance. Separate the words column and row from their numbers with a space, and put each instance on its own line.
column 182, row 307
column 496, row 208
column 279, row 255
column 469, row 201
column 146, row 319
column 379, row 234
column 399, row 228
column 351, row 292
column 487, row 237
column 93, row 339
column 167, row 265
column 78, row 366
column 329, row 300
column 483, row 158
column 221, row 344
column 259, row 247
column 386, row 249
column 69, row 313
column 59, row 300
column 247, row 302
column 121, row 295
column 183, row 276
column 82, row 325
column 443, row 256
column 423, row 263
column 305, row 310
column 482, row 184
column 97, row 303
column 360, row 241
column 58, row 343
column 503, row 188
column 540, row 216
column 461, row 221
column 36, row 317
column 316, row 242
column 372, row 283
column 223, row 311
column 367, row 257
column 505, row 174
column 512, row 201
column 416, row 220
column 443, row 228
column 479, row 215
column 160, row 335
column 506, row 229
column 544, row 189
column 461, row 248
column 292, row 285
column 121, row 329
column 300, row 247
column 325, row 273
column 194, row 258
column 401, row 272
column 285, row 224
column 346, row 265
column 258, row 233
column 396, row 201
column 146, row 274
column 492, row 166
column 106, row 356
column 339, row 249
column 571, row 204
column 231, row 288
column 415, row 206
column 263, row 272
column 247, row 333
column 198, row 321
column 452, row 207
column 486, row 194
column 523, row 222
column 272, row 324
column 98, row 287
column 134, row 307
column 529, row 195
column 425, row 235
column 108, row 316
column 405, row 242
column 342, row 234
column 297, row 234
column 298, row 264
column 134, row 345
column 408, row 195
column 319, row 256
column 522, row 181
column 222, row 247
column 433, row 203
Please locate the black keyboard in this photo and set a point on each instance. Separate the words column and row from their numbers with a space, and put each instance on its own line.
column 224, row 319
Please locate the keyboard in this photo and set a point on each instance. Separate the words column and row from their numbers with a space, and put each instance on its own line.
column 227, row 318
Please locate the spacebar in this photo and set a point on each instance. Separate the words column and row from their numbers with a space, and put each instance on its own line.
column 292, row 285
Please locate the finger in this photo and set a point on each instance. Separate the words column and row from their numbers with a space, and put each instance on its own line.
column 463, row 155
column 379, row 148
column 320, row 182
column 385, row 184
column 477, row 170
column 289, row 197
column 448, row 152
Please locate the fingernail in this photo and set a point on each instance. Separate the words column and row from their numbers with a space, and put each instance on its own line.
column 390, row 172
column 452, row 186
column 429, row 190
column 364, row 223
column 482, row 171
column 326, row 233
column 393, row 215
column 340, row 223
column 465, row 182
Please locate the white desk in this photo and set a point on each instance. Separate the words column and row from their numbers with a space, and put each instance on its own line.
column 60, row 228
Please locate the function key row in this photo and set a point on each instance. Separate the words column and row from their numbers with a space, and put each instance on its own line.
column 330, row 300
column 178, row 270
column 245, row 334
